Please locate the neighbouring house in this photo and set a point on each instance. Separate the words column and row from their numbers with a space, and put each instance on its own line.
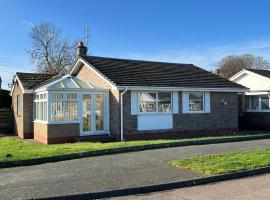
column 125, row 100
column 5, row 100
column 254, row 105
column 6, row 114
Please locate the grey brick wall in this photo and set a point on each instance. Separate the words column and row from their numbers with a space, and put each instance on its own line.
column 115, row 112
column 221, row 116
column 130, row 121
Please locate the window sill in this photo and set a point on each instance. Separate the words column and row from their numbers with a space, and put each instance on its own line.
column 155, row 113
column 196, row 112
column 40, row 122
column 261, row 111
column 64, row 122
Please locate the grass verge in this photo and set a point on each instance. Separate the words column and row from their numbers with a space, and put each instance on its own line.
column 225, row 163
column 13, row 149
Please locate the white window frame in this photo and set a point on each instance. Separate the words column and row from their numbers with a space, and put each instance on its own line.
column 195, row 111
column 66, row 100
column 38, row 101
column 260, row 104
column 156, row 102
column 106, row 114
column 50, row 121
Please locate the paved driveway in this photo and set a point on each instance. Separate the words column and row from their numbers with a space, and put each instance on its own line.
column 107, row 172
column 252, row 188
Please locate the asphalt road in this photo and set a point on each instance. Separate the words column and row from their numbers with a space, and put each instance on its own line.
column 107, row 172
column 252, row 188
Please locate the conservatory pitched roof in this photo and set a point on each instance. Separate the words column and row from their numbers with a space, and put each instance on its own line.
column 65, row 82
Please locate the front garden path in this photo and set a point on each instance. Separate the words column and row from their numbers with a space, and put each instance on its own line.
column 108, row 172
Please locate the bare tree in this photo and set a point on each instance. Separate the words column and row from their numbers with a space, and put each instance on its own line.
column 231, row 65
column 50, row 52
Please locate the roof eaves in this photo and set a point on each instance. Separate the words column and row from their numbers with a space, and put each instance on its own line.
column 224, row 89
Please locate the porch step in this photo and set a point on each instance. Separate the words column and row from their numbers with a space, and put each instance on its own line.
column 96, row 138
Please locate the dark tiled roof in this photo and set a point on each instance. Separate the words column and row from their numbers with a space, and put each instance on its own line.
column 125, row 72
column 30, row 80
column 50, row 80
column 262, row 72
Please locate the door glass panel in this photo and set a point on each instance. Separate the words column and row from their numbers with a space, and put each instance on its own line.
column 99, row 111
column 86, row 122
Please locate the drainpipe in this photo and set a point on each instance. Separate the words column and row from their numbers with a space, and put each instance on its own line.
column 122, row 115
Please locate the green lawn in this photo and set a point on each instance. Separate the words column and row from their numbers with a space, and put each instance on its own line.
column 12, row 149
column 225, row 163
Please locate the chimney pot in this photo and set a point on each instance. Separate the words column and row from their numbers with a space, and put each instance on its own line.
column 81, row 50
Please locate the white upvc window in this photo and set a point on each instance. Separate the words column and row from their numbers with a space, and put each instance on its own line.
column 64, row 106
column 259, row 103
column 154, row 102
column 57, row 107
column 72, row 107
column 196, row 102
column 41, row 106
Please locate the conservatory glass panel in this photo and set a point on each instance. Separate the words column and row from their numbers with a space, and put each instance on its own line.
column 82, row 84
column 99, row 111
column 57, row 105
column 68, row 83
column 86, row 112
column 72, row 107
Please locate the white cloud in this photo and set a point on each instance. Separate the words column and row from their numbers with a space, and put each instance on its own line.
column 9, row 67
column 27, row 24
column 206, row 56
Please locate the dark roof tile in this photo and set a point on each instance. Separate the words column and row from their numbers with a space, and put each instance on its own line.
column 262, row 72
column 125, row 72
column 30, row 80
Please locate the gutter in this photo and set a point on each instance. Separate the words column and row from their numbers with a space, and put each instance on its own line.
column 121, row 115
column 188, row 89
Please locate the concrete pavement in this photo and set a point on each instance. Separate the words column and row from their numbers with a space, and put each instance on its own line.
column 108, row 172
column 252, row 188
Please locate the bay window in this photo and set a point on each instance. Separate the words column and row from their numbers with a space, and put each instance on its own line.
column 150, row 102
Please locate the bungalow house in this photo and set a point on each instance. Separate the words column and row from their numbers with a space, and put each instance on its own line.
column 124, row 100
column 254, row 105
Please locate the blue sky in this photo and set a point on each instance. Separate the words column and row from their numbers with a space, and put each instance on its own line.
column 186, row 31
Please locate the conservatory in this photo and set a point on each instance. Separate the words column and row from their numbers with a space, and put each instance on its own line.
column 67, row 107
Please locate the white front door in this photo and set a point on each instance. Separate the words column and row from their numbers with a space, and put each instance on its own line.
column 93, row 114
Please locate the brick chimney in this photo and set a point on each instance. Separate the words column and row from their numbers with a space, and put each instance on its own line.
column 81, row 50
